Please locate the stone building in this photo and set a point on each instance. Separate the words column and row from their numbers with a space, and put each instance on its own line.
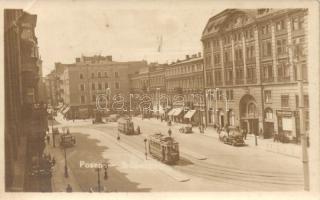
column 251, row 59
column 184, row 85
column 83, row 81
column 25, row 119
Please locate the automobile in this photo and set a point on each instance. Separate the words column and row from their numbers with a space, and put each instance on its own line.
column 234, row 137
column 113, row 118
column 186, row 129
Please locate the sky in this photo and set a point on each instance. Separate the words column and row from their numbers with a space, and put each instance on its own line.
column 130, row 30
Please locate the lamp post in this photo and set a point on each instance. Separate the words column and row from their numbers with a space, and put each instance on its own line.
column 105, row 177
column 145, row 147
column 65, row 163
column 303, row 135
column 53, row 134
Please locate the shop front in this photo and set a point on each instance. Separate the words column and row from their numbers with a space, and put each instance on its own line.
column 287, row 125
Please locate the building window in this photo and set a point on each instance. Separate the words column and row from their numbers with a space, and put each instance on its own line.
column 82, row 100
column 250, row 52
column 117, row 85
column 92, row 75
column 218, row 77
column 82, row 87
column 229, row 76
column 99, row 74
column 284, row 101
column 297, row 23
column 306, row 101
column 99, row 86
column 280, row 25
column 229, row 94
column 116, row 74
column 217, row 59
column 266, row 48
column 81, row 76
column 106, row 85
column 268, row 114
column 106, row 74
column 283, row 71
column 265, row 29
column 93, row 98
column 267, row 72
column 281, row 46
column 267, row 96
column 93, row 86
column 306, row 117
column 251, row 74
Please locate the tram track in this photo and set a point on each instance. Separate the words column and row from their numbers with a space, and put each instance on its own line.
column 216, row 172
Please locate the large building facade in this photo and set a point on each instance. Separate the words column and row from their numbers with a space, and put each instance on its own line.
column 82, row 82
column 25, row 121
column 251, row 59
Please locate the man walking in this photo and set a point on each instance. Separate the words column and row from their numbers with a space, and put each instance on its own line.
column 169, row 132
column 245, row 133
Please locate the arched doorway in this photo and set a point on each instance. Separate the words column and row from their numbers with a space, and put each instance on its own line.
column 249, row 114
column 268, row 123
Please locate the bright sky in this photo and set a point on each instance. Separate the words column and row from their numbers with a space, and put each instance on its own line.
column 129, row 30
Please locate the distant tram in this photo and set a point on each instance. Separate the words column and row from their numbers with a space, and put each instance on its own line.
column 164, row 148
column 125, row 125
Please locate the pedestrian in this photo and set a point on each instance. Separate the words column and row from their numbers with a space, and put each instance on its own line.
column 245, row 132
column 53, row 161
column 68, row 131
column 69, row 188
column 48, row 139
column 169, row 132
column 138, row 130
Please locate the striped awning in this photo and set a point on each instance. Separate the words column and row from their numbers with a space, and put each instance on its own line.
column 177, row 111
column 171, row 112
column 190, row 114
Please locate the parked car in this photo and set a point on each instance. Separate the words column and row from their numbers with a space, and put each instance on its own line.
column 234, row 137
column 186, row 129
column 113, row 118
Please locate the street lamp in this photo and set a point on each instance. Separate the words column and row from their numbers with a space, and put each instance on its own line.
column 65, row 163
column 145, row 147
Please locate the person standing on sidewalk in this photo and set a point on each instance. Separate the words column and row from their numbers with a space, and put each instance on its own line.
column 69, row 188
column 245, row 132
column 169, row 132
column 48, row 139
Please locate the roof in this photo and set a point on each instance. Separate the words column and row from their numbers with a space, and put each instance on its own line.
column 233, row 18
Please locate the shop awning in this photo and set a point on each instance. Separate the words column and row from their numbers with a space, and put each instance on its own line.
column 177, row 111
column 66, row 110
column 171, row 112
column 190, row 114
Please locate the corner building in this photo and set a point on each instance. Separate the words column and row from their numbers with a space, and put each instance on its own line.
column 251, row 59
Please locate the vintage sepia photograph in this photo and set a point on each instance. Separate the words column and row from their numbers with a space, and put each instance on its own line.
column 117, row 98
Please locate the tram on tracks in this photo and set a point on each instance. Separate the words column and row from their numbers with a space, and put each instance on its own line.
column 125, row 125
column 163, row 148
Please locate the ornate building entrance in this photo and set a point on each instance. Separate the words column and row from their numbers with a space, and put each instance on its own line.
column 248, row 114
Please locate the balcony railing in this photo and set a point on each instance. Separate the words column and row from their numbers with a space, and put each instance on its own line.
column 229, row 82
column 284, row 79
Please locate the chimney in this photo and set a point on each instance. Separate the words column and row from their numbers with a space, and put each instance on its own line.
column 77, row 60
column 187, row 57
column 199, row 54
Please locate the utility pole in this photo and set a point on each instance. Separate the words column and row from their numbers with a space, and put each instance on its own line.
column 303, row 135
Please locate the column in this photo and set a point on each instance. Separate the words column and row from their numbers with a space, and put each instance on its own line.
column 212, row 64
column 290, row 50
column 233, row 61
column 256, row 42
column 274, row 56
column 222, row 61
column 244, row 59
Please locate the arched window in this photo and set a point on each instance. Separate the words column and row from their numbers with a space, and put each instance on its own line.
column 251, row 109
column 268, row 114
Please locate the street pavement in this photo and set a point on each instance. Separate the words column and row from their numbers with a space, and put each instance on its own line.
column 206, row 164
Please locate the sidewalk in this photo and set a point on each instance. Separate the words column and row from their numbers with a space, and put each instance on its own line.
column 58, row 181
column 292, row 150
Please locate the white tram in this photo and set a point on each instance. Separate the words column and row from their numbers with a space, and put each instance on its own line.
column 125, row 125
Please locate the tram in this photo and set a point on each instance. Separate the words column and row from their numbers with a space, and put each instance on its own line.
column 125, row 125
column 164, row 148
